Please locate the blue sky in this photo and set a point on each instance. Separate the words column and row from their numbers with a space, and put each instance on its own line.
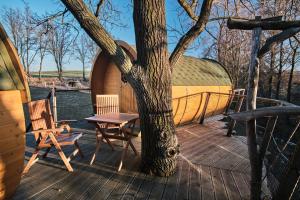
column 127, row 34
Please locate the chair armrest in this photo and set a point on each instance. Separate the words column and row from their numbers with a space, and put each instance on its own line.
column 66, row 121
column 53, row 130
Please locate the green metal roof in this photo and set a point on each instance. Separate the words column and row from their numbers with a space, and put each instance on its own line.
column 9, row 78
column 191, row 71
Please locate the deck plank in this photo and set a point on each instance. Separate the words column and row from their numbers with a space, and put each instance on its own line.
column 210, row 166
column 207, row 184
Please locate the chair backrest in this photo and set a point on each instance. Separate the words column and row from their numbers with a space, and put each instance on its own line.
column 107, row 104
column 40, row 114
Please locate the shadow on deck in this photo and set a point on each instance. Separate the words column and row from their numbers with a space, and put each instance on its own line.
column 211, row 166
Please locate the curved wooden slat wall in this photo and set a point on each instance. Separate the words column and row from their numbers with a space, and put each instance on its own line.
column 14, row 91
column 106, row 79
column 12, row 141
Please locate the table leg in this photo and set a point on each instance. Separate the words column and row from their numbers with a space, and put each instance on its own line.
column 97, row 149
column 122, row 156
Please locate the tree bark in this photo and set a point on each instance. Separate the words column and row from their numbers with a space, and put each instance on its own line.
column 289, row 90
column 264, row 24
column 40, row 68
column 159, row 141
column 150, row 77
column 253, row 78
column 83, row 71
column 272, row 64
column 279, row 72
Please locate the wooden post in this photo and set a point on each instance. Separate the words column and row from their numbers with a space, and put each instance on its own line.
column 230, row 99
column 237, row 109
column 204, row 108
column 54, row 104
column 255, row 162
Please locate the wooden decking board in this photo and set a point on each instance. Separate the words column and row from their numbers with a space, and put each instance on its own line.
column 210, row 166
column 104, row 184
column 225, row 158
column 207, row 184
column 218, row 184
column 195, row 183
column 172, row 183
column 195, row 144
column 241, row 185
column 46, row 176
column 118, row 182
column 66, row 187
column 145, row 188
column 158, row 188
column 184, row 182
column 124, row 182
column 215, row 155
column 230, row 185
column 134, row 186
column 210, row 153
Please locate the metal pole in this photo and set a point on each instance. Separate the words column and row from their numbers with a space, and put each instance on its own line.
column 54, row 103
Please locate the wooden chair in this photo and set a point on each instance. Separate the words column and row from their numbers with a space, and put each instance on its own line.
column 48, row 136
column 107, row 104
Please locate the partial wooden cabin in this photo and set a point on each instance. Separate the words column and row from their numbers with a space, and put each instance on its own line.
column 13, row 92
column 192, row 79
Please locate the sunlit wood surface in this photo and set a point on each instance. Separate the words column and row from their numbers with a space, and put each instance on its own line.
column 211, row 166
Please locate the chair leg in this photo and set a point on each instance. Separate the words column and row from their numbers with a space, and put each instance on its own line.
column 47, row 151
column 31, row 161
column 61, row 153
column 96, row 151
column 79, row 150
column 122, row 157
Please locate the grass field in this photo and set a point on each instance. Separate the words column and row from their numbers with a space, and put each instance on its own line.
column 66, row 74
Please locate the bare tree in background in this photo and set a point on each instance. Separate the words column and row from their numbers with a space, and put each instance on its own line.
column 295, row 58
column 42, row 45
column 60, row 44
column 20, row 23
column 83, row 52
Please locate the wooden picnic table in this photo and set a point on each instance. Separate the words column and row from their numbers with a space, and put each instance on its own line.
column 102, row 123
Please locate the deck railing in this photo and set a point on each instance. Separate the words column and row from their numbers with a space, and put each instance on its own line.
column 278, row 148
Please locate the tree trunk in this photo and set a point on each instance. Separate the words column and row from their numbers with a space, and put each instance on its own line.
column 288, row 96
column 279, row 72
column 272, row 63
column 253, row 78
column 40, row 69
column 83, row 71
column 150, row 77
column 60, row 73
column 159, row 141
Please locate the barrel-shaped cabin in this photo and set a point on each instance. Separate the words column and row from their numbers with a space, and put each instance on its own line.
column 196, row 83
column 13, row 92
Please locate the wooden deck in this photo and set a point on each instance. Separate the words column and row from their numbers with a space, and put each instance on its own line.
column 211, row 166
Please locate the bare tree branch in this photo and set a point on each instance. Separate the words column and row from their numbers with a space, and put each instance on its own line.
column 99, row 4
column 191, row 35
column 96, row 31
column 189, row 9
column 278, row 38
column 264, row 24
column 50, row 18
